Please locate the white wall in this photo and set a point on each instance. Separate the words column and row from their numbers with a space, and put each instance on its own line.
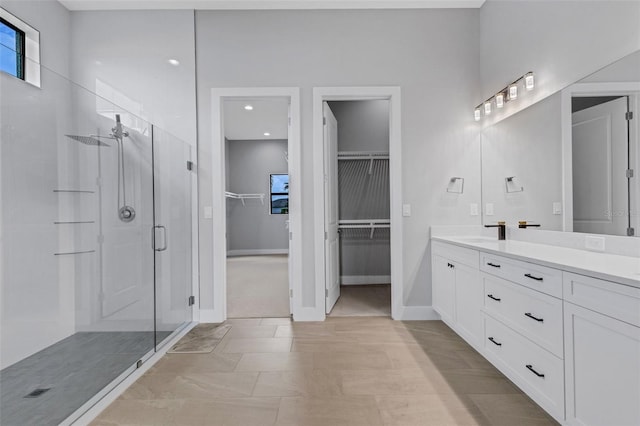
column 432, row 55
column 37, row 306
column 560, row 41
column 123, row 56
column 362, row 125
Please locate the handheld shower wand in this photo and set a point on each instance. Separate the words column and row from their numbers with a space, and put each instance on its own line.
column 126, row 213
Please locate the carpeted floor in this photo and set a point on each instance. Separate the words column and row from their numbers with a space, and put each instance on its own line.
column 258, row 286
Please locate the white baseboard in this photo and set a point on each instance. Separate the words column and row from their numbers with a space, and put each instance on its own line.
column 417, row 313
column 210, row 316
column 309, row 314
column 257, row 252
column 365, row 279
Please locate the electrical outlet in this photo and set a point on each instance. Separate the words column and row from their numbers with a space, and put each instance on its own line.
column 594, row 243
column 488, row 209
column 557, row 208
column 406, row 210
column 473, row 209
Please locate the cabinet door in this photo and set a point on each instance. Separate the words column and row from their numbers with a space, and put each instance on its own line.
column 468, row 302
column 602, row 369
column 443, row 288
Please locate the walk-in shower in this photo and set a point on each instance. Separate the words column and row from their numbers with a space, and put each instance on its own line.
column 95, row 247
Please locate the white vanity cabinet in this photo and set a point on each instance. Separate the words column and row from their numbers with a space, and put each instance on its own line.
column 602, row 345
column 457, row 291
column 568, row 340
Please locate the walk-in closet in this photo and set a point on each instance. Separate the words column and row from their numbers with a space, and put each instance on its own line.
column 363, row 201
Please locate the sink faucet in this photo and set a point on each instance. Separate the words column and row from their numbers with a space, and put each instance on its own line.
column 524, row 224
column 502, row 229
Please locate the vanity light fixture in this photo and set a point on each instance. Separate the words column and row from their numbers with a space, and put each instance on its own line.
column 529, row 83
column 248, row 107
column 507, row 94
column 487, row 107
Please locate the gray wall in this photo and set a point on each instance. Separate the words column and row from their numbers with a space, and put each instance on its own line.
column 432, row 55
column 561, row 41
column 363, row 126
column 251, row 227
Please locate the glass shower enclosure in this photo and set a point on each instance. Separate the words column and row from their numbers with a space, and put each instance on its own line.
column 95, row 246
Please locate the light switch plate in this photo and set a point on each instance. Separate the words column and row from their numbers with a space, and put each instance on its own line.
column 557, row 208
column 406, row 210
column 594, row 243
column 488, row 209
column 473, row 209
column 208, row 212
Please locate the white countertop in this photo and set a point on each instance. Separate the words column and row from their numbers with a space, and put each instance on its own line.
column 611, row 267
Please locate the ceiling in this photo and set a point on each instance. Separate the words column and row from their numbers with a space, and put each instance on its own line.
column 268, row 115
column 267, row 4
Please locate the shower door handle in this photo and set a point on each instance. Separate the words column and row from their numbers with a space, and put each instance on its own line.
column 154, row 238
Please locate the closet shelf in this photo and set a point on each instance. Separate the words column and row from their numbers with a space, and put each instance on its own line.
column 372, row 224
column 363, row 155
column 243, row 197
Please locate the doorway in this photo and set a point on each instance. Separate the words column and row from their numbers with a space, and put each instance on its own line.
column 358, row 256
column 256, row 208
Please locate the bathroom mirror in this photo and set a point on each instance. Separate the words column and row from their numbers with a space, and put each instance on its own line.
column 567, row 163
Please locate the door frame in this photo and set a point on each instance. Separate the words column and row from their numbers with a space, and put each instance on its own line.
column 392, row 94
column 218, row 151
column 591, row 89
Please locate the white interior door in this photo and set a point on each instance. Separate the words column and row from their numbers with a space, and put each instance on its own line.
column 600, row 184
column 332, row 243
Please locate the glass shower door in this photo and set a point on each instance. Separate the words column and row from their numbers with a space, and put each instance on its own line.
column 172, row 233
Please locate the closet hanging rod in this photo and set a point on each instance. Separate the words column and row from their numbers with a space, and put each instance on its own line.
column 363, row 155
column 243, row 197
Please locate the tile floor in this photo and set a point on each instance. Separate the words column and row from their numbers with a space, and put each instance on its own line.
column 363, row 300
column 344, row 371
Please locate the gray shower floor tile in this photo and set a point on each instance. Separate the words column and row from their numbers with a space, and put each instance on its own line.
column 75, row 369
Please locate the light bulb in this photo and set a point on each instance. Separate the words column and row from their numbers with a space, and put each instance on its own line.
column 513, row 92
column 529, row 83
column 500, row 100
column 487, row 108
column 248, row 107
column 477, row 114
column 267, row 134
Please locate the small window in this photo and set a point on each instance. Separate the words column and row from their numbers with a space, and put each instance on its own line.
column 12, row 49
column 279, row 193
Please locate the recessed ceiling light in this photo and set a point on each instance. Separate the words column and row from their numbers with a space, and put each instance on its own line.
column 248, row 107
column 174, row 62
column 267, row 134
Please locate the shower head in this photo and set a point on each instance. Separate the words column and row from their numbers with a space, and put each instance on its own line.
column 87, row 140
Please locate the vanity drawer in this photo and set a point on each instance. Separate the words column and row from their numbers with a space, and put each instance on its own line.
column 535, row 315
column 615, row 300
column 539, row 373
column 459, row 254
column 537, row 277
